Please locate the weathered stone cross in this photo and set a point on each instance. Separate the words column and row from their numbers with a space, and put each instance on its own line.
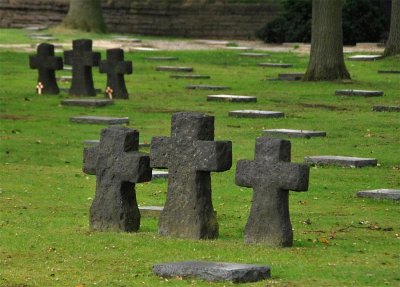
column 272, row 176
column 118, row 166
column 190, row 154
column 116, row 67
column 46, row 63
column 82, row 60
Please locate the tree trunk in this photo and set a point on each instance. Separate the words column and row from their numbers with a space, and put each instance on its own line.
column 85, row 15
column 393, row 43
column 326, row 56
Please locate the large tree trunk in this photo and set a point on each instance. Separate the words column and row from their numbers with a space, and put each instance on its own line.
column 393, row 43
column 326, row 56
column 85, row 15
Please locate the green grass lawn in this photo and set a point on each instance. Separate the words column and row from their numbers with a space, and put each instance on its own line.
column 339, row 239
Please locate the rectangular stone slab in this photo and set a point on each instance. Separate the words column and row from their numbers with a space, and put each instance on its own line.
column 87, row 102
column 393, row 194
column 389, row 72
column 275, row 65
column 156, row 174
column 127, row 39
column 294, row 133
column 254, row 55
column 96, row 142
column 206, row 87
column 174, row 69
column 64, row 78
column 214, row 271
column 365, row 57
column 161, row 58
column 344, row 161
column 189, row 76
column 239, row 48
column 361, row 93
column 45, row 38
column 34, row 35
column 231, row 98
column 150, row 211
column 146, row 49
column 255, row 114
column 36, row 28
column 386, row 108
column 99, row 120
column 290, row 77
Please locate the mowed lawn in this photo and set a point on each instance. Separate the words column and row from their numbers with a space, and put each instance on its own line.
column 339, row 239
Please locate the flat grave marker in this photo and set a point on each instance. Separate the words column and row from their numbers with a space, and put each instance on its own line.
column 275, row 65
column 212, row 42
column 150, row 211
column 365, row 57
column 162, row 58
column 64, row 78
column 381, row 108
column 360, row 93
column 393, row 194
column 34, row 35
column 255, row 114
column 144, row 49
column 189, row 76
column 174, row 69
column 389, row 72
column 99, row 120
column 126, row 39
column 294, row 133
column 206, row 87
column 239, row 48
column 157, row 174
column 290, row 76
column 232, row 98
column 36, row 28
column 213, row 271
column 44, row 38
column 254, row 55
column 87, row 102
column 343, row 161
column 118, row 166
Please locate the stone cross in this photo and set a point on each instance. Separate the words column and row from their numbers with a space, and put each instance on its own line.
column 116, row 67
column 271, row 175
column 190, row 154
column 82, row 60
column 46, row 63
column 118, row 166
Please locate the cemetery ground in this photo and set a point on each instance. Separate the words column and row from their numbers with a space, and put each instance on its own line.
column 339, row 239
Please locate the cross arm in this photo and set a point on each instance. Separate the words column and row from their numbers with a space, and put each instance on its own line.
column 68, row 56
column 160, row 152
column 91, row 58
column 90, row 156
column 124, row 67
column 54, row 63
column 295, row 176
column 34, row 62
column 134, row 167
column 213, row 155
column 244, row 172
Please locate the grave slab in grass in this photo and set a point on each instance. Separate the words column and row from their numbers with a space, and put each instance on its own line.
column 150, row 211
column 239, row 48
column 254, row 55
column 212, row 42
column 393, row 194
column 256, row 114
column 161, row 58
column 213, row 271
column 344, row 161
column 189, row 76
column 96, row 142
column 44, row 38
column 291, row 77
column 156, row 174
column 69, row 68
column 232, row 98
column 34, row 35
column 206, row 87
column 144, row 49
column 99, row 120
column 174, row 69
column 275, row 65
column 36, row 28
column 365, row 57
column 386, row 108
column 64, row 78
column 87, row 102
column 127, row 39
column 360, row 93
column 294, row 133
column 389, row 72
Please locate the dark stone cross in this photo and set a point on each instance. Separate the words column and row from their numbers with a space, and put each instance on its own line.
column 116, row 67
column 82, row 59
column 118, row 166
column 46, row 63
column 190, row 154
column 271, row 175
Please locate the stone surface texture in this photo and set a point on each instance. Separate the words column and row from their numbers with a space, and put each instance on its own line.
column 162, row 58
column 99, row 120
column 232, row 98
column 345, row 161
column 117, row 165
column 46, row 63
column 271, row 175
column 393, row 194
column 174, row 69
column 365, row 57
column 389, row 71
column 190, row 154
column 115, row 67
column 82, row 59
column 275, row 65
column 290, row 77
column 206, row 87
column 214, row 271
column 256, row 114
column 190, row 76
column 386, row 108
column 362, row 93
column 294, row 133
column 87, row 102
